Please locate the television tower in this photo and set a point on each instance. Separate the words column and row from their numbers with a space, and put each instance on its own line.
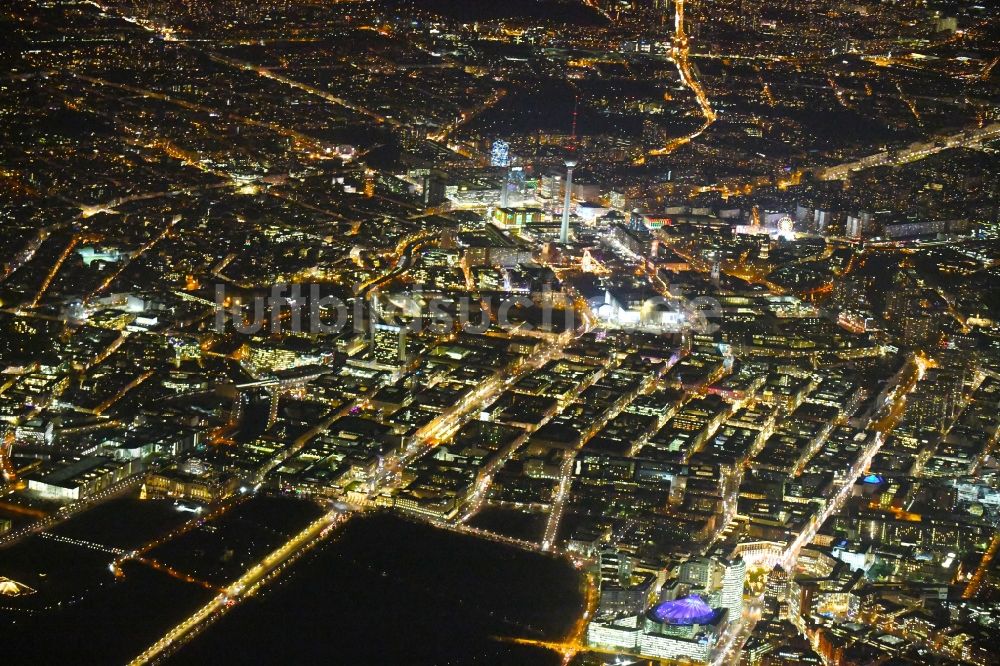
column 570, row 164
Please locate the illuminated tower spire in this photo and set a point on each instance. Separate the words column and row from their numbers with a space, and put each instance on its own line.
column 570, row 164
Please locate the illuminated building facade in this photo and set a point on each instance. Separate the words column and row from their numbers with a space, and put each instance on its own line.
column 686, row 628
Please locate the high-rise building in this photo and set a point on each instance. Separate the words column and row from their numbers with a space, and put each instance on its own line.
column 390, row 345
column 936, row 400
column 698, row 573
column 616, row 565
column 433, row 190
column 777, row 584
column 623, row 592
column 719, row 578
column 776, row 590
column 733, row 579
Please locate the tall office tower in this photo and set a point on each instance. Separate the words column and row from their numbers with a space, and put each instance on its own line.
column 937, row 399
column 902, row 291
column 434, row 190
column 719, row 578
column 776, row 588
column 698, row 573
column 390, row 345
column 500, row 157
column 616, row 565
column 733, row 578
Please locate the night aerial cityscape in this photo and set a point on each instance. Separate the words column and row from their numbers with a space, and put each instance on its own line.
column 521, row 332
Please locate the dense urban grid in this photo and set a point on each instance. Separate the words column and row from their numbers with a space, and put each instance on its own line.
column 624, row 331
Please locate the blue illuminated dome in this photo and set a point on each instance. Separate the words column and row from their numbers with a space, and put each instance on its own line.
column 874, row 478
column 687, row 610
